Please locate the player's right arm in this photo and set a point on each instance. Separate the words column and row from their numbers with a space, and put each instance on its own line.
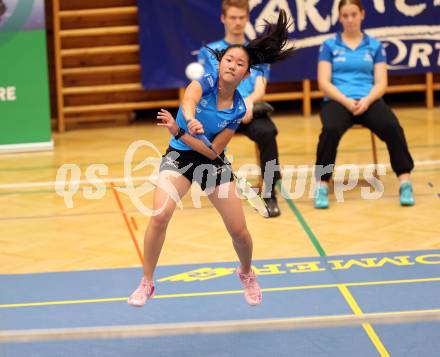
column 191, row 98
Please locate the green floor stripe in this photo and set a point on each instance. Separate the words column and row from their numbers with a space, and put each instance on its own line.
column 301, row 220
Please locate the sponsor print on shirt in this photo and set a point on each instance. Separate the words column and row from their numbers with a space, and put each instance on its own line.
column 368, row 56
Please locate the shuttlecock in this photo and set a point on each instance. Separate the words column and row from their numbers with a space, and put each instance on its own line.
column 194, row 70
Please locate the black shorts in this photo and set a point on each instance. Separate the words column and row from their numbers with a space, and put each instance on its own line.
column 197, row 167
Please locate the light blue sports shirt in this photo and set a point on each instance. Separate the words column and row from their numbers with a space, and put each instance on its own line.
column 210, row 63
column 352, row 70
column 212, row 119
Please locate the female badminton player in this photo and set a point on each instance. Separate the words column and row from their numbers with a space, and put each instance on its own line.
column 211, row 107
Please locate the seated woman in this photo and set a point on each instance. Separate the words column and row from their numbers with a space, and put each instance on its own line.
column 352, row 73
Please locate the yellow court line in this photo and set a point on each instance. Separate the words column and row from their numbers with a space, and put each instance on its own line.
column 62, row 302
column 225, row 292
column 390, row 282
column 367, row 327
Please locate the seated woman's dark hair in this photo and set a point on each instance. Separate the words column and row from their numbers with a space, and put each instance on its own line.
column 269, row 47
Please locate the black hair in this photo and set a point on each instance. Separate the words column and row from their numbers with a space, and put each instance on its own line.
column 269, row 47
column 2, row 8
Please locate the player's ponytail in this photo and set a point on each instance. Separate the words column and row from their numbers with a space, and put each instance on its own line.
column 269, row 47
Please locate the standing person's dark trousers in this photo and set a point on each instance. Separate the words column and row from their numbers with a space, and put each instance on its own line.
column 379, row 118
column 263, row 131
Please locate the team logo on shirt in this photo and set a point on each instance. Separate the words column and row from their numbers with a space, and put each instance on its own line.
column 368, row 57
column 198, row 110
column 223, row 124
column 210, row 81
column 339, row 55
column 203, row 102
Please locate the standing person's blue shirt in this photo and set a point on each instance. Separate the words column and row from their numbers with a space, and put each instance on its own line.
column 352, row 70
column 212, row 119
column 210, row 64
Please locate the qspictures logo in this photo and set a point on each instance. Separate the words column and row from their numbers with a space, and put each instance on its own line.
column 296, row 179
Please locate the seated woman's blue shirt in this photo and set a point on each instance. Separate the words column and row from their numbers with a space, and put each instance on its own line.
column 352, row 70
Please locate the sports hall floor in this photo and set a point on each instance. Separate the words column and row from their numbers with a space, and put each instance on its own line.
column 64, row 267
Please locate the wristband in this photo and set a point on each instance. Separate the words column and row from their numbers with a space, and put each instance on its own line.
column 180, row 132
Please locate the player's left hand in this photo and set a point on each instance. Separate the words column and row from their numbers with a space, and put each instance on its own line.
column 168, row 121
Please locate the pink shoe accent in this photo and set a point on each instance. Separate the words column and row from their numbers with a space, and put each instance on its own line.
column 252, row 290
column 144, row 292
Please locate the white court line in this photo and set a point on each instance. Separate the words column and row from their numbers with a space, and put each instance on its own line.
column 152, row 178
column 217, row 327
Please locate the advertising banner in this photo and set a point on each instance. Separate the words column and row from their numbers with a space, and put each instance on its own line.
column 172, row 31
column 24, row 87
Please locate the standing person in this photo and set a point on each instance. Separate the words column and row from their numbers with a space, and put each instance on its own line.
column 212, row 107
column 257, row 125
column 352, row 73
